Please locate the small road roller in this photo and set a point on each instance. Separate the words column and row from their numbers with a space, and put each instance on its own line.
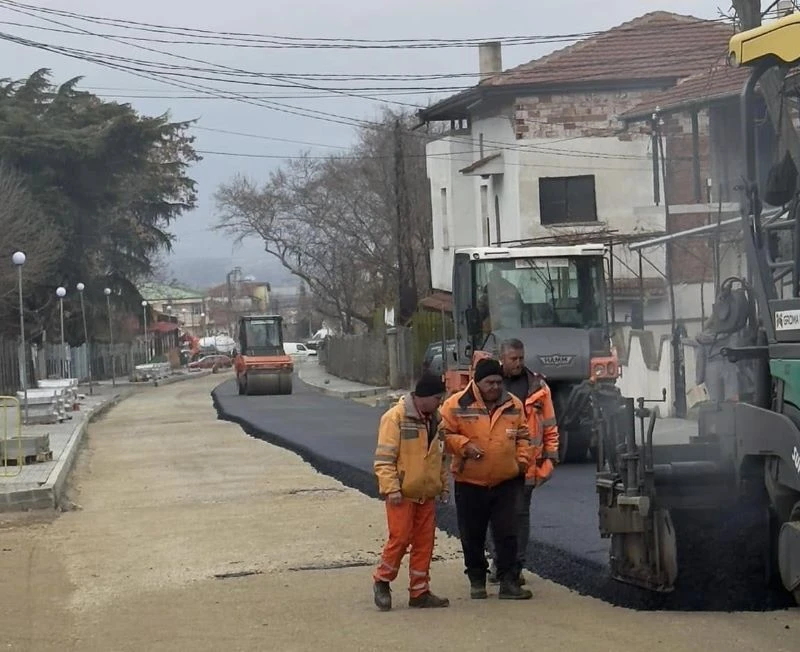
column 262, row 366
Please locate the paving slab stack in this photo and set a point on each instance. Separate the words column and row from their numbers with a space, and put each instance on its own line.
column 48, row 405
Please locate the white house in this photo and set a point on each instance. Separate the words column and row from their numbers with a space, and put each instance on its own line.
column 539, row 153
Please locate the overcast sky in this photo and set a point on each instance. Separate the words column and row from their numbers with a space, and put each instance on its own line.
column 199, row 253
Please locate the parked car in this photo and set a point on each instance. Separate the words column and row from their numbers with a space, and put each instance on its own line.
column 210, row 361
column 432, row 360
column 298, row 349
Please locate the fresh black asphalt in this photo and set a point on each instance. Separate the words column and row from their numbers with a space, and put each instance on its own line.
column 337, row 437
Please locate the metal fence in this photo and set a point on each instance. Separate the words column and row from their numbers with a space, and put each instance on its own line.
column 361, row 358
column 53, row 361
column 9, row 367
column 394, row 360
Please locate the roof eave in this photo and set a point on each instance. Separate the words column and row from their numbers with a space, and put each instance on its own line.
column 457, row 106
column 685, row 105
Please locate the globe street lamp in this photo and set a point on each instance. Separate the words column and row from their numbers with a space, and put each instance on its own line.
column 146, row 343
column 107, row 292
column 203, row 323
column 61, row 292
column 19, row 259
column 87, row 355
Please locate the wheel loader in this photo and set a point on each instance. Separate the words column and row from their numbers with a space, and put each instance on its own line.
column 262, row 366
column 552, row 299
column 746, row 454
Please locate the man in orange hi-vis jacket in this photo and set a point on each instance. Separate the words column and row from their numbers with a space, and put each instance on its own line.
column 411, row 471
column 530, row 388
column 485, row 430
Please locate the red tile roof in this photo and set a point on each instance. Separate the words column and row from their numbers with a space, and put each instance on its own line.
column 658, row 45
column 718, row 83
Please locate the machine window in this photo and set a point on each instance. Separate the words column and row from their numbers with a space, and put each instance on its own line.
column 536, row 293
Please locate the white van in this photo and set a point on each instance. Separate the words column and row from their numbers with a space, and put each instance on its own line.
column 296, row 349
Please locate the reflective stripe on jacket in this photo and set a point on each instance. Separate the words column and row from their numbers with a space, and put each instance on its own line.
column 503, row 437
column 403, row 459
column 541, row 416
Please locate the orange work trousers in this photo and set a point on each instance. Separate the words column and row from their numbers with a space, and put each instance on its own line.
column 410, row 524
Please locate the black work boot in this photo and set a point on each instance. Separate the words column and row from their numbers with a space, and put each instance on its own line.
column 383, row 595
column 477, row 587
column 428, row 601
column 511, row 590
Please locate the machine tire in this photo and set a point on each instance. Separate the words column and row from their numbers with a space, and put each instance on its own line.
column 285, row 384
column 794, row 518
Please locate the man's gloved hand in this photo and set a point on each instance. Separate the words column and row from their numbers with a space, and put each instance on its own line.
column 544, row 469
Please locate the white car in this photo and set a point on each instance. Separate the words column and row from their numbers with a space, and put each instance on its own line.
column 296, row 349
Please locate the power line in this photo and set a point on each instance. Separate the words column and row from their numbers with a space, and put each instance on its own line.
column 285, row 108
column 295, row 41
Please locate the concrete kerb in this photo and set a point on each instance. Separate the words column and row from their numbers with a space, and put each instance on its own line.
column 339, row 393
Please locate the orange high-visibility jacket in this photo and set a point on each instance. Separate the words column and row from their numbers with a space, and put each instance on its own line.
column 403, row 459
column 543, row 429
column 503, row 437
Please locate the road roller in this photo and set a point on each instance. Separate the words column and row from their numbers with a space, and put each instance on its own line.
column 262, row 366
column 745, row 459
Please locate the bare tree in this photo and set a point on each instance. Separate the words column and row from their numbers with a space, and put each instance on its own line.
column 24, row 228
column 332, row 223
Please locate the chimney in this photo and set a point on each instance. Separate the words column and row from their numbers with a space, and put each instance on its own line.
column 490, row 59
column 785, row 7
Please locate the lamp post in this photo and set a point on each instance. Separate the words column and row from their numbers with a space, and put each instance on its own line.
column 19, row 259
column 146, row 344
column 61, row 292
column 203, row 323
column 81, row 287
column 107, row 292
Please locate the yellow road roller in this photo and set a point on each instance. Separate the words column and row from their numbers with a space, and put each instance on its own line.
column 262, row 366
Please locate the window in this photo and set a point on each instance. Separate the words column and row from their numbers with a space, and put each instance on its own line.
column 543, row 292
column 445, row 226
column 566, row 200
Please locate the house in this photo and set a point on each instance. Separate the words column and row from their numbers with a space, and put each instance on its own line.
column 182, row 306
column 237, row 296
column 566, row 148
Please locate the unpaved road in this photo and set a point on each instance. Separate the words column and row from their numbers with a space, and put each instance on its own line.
column 167, row 497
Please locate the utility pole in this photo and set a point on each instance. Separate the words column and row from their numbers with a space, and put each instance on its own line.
column 406, row 287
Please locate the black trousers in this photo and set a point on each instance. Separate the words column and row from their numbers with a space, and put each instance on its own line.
column 523, row 531
column 476, row 508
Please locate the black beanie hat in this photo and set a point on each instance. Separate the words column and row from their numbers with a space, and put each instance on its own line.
column 429, row 385
column 487, row 367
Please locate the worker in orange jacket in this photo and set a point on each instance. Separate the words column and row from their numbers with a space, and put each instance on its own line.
column 487, row 434
column 533, row 391
column 412, row 473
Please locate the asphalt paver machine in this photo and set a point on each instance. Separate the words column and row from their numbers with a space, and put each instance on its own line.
column 746, row 454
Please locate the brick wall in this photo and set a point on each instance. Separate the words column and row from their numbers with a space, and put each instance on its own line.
column 568, row 115
column 690, row 260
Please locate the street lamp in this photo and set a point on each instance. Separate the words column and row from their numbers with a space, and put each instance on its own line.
column 19, row 258
column 146, row 344
column 107, row 292
column 61, row 292
column 203, row 323
column 81, row 288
